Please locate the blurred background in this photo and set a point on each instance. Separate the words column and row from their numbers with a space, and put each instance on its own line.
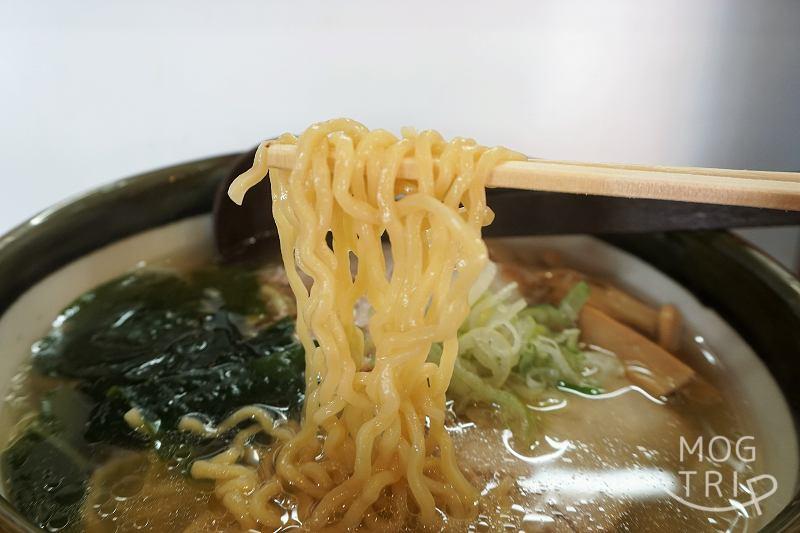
column 98, row 90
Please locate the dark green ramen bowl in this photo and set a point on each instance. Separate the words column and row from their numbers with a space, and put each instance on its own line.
column 750, row 291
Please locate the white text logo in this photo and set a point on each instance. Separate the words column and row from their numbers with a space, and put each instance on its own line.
column 710, row 483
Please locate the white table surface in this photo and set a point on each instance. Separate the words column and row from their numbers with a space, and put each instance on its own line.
column 97, row 90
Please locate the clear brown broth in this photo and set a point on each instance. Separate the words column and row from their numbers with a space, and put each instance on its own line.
column 599, row 465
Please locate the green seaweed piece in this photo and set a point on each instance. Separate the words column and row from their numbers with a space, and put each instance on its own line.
column 164, row 343
column 46, row 470
column 237, row 286
column 141, row 321
column 265, row 369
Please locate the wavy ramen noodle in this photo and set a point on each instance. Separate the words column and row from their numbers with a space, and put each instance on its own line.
column 372, row 443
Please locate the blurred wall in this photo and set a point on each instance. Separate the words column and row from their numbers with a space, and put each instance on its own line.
column 96, row 90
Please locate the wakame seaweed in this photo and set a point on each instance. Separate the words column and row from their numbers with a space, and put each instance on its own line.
column 163, row 343
column 127, row 323
column 251, row 371
column 43, row 480
column 47, row 468
column 169, row 345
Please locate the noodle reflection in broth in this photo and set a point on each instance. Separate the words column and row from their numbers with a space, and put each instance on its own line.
column 372, row 426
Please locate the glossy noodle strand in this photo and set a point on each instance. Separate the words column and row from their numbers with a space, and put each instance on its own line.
column 372, row 446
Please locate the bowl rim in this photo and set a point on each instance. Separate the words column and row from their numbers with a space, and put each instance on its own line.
column 69, row 229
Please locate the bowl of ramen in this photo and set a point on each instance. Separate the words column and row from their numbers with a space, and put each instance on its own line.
column 391, row 370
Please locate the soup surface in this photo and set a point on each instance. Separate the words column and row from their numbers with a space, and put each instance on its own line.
column 576, row 439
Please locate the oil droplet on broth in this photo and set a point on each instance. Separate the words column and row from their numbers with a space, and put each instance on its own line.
column 58, row 522
column 127, row 487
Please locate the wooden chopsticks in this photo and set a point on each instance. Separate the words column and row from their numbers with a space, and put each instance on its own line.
column 752, row 188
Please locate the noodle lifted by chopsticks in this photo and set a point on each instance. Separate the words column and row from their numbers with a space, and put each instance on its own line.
column 372, row 446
